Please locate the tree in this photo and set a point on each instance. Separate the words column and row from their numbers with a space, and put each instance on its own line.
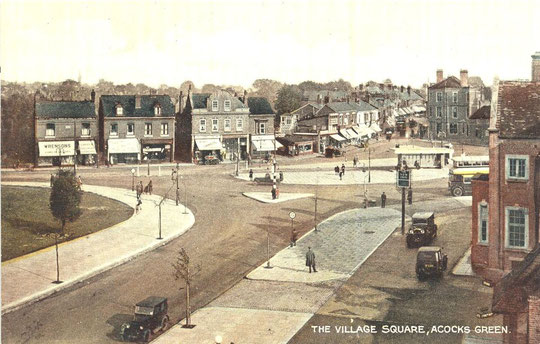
column 209, row 88
column 289, row 99
column 64, row 203
column 268, row 89
column 183, row 270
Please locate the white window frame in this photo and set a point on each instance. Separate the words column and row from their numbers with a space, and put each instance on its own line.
column 439, row 112
column 119, row 110
column 215, row 125
column 508, row 170
column 215, row 105
column 525, row 227
column 85, row 132
column 454, row 112
column 157, row 110
column 227, row 105
column 132, row 133
column 439, row 97
column 239, row 124
column 202, row 125
column 483, row 205
column 288, row 121
column 453, row 125
column 164, row 129
column 48, row 131
column 261, row 128
column 111, row 132
column 146, row 126
column 227, row 126
column 455, row 97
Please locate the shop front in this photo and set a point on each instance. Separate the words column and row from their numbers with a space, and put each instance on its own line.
column 120, row 151
column 157, row 150
column 56, row 153
column 297, row 145
column 207, row 150
column 337, row 140
column 233, row 146
column 86, row 152
column 264, row 145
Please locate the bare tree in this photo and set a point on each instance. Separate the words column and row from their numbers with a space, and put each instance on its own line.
column 183, row 270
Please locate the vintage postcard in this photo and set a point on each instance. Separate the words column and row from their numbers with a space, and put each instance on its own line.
column 270, row 171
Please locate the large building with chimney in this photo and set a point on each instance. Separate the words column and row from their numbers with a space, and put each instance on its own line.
column 450, row 105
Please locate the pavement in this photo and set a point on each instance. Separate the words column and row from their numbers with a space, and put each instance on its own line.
column 271, row 304
column 29, row 278
column 464, row 267
column 266, row 197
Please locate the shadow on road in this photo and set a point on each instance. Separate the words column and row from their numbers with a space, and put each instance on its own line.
column 116, row 322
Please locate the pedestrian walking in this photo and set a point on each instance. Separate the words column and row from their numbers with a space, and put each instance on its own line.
column 280, row 176
column 340, row 175
column 343, row 169
column 383, row 200
column 251, row 174
column 310, row 260
column 336, row 169
column 79, row 182
column 355, row 161
column 150, row 187
column 409, row 196
column 294, row 237
column 139, row 189
column 274, row 191
column 138, row 207
column 52, row 179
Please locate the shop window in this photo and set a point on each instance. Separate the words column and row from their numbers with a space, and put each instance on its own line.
column 227, row 105
column 215, row 105
column 215, row 125
column 85, row 129
column 454, row 111
column 202, row 125
column 516, row 227
column 114, row 129
column 483, row 219
column 131, row 129
column 227, row 124
column 164, row 129
column 453, row 128
column 239, row 124
column 517, row 167
column 50, row 130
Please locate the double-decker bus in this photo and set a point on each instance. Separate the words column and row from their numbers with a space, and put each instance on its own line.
column 464, row 169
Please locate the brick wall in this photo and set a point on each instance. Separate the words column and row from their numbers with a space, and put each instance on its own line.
column 534, row 319
column 479, row 251
column 65, row 128
column 139, row 127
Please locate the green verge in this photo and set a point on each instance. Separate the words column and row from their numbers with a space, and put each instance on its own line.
column 26, row 217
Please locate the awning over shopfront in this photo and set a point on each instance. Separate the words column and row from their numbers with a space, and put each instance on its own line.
column 56, row 148
column 353, row 134
column 116, row 146
column 265, row 143
column 375, row 127
column 208, row 143
column 337, row 137
column 364, row 131
column 345, row 134
column 87, row 147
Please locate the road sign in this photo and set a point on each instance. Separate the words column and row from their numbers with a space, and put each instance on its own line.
column 292, row 215
column 403, row 179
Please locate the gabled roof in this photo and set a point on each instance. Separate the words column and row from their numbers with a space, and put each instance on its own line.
column 200, row 100
column 482, row 113
column 314, row 105
column 65, row 109
column 450, row 82
column 518, row 109
column 259, row 106
column 340, row 106
column 363, row 106
column 108, row 104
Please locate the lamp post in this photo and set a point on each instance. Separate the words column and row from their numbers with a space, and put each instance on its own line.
column 174, row 177
column 132, row 179
column 268, row 266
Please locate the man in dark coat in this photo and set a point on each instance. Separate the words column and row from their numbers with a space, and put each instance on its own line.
column 294, row 237
column 383, row 200
column 343, row 169
column 310, row 260
column 250, row 174
column 409, row 196
column 139, row 189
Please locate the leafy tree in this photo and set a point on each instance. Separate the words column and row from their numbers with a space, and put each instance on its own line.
column 184, row 87
column 209, row 88
column 17, row 123
column 289, row 98
column 64, row 203
column 268, row 89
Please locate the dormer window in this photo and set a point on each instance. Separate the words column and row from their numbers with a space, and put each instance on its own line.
column 157, row 110
column 227, row 105
column 215, row 105
column 119, row 110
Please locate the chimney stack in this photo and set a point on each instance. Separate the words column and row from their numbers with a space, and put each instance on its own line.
column 137, row 101
column 93, row 96
column 439, row 75
column 245, row 97
column 401, row 89
column 535, row 77
column 409, row 90
column 180, row 102
column 464, row 76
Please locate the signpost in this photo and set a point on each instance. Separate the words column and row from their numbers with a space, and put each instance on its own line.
column 403, row 181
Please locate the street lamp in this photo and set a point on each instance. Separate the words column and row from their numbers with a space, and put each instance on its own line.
column 132, row 179
column 174, row 177
column 268, row 266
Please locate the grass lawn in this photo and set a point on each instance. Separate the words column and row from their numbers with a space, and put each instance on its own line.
column 26, row 217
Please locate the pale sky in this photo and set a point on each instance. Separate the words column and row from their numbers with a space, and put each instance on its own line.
column 236, row 42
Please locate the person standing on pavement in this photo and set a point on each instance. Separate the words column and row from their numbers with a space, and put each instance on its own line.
column 310, row 260
column 409, row 196
column 340, row 175
column 336, row 169
column 52, row 179
column 355, row 161
column 383, row 200
column 251, row 174
column 139, row 189
column 343, row 169
column 150, row 187
column 274, row 191
column 294, row 237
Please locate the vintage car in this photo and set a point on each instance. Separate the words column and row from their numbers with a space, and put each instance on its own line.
column 211, row 159
column 150, row 318
column 422, row 230
column 430, row 261
column 331, row 152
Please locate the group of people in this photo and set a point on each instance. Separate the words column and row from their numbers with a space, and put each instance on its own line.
column 140, row 189
column 340, row 171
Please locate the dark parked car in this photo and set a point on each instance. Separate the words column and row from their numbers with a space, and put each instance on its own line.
column 423, row 229
column 331, row 152
column 150, row 318
column 430, row 261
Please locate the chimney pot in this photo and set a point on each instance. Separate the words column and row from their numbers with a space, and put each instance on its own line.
column 439, row 75
column 464, row 77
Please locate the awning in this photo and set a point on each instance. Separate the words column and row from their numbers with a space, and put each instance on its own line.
column 265, row 143
column 352, row 133
column 87, row 147
column 375, row 127
column 123, row 146
column 337, row 137
column 154, row 149
column 363, row 131
column 56, row 148
column 345, row 134
column 211, row 143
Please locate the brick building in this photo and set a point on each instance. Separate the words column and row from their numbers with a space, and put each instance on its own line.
column 505, row 208
column 135, row 128
column 450, row 104
column 261, row 127
column 65, row 132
